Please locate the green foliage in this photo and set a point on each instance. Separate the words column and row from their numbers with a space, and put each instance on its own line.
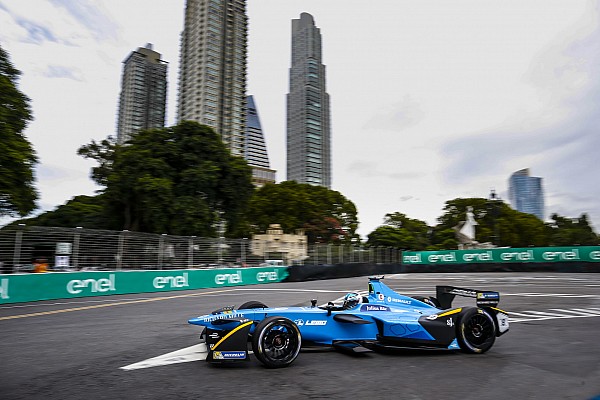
column 568, row 232
column 172, row 180
column 17, row 157
column 497, row 223
column 402, row 232
column 104, row 153
column 84, row 211
column 325, row 215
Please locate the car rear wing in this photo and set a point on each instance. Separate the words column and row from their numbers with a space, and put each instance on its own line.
column 445, row 295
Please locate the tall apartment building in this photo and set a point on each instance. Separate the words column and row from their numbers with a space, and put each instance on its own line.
column 143, row 98
column 212, row 78
column 526, row 193
column 255, row 150
column 308, row 121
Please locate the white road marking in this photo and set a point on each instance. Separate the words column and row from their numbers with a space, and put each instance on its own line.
column 559, row 313
column 196, row 352
column 570, row 295
column 578, row 311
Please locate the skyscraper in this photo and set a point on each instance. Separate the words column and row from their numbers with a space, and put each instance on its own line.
column 255, row 150
column 212, row 78
column 308, row 123
column 143, row 96
column 526, row 193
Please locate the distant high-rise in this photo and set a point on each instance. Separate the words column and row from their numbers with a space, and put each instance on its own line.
column 308, row 123
column 212, row 78
column 143, row 96
column 526, row 193
column 255, row 150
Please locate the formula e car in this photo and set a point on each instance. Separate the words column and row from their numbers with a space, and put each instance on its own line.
column 379, row 320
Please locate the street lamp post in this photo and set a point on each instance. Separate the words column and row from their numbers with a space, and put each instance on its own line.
column 495, row 203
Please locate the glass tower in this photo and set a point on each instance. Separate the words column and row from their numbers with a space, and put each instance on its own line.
column 143, row 97
column 212, row 78
column 526, row 193
column 255, row 151
column 308, row 123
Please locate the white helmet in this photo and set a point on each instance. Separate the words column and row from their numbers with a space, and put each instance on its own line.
column 351, row 300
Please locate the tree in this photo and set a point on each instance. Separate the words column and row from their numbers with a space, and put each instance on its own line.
column 402, row 232
column 564, row 231
column 498, row 223
column 84, row 211
column 17, row 157
column 104, row 153
column 325, row 215
column 172, row 180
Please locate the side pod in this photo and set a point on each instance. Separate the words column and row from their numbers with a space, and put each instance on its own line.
column 229, row 343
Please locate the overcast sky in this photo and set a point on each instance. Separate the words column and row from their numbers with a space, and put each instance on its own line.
column 430, row 100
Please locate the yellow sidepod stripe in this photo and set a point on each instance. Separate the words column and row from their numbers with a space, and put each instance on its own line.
column 499, row 310
column 450, row 312
column 231, row 333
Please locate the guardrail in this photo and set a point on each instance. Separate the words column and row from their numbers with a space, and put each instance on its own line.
column 17, row 288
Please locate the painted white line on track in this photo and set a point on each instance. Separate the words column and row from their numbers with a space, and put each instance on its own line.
column 575, row 311
column 573, row 295
column 197, row 352
column 558, row 313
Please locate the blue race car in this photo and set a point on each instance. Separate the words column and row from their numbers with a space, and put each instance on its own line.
column 379, row 320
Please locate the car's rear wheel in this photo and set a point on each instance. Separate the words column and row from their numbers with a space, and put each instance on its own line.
column 252, row 304
column 476, row 331
column 276, row 342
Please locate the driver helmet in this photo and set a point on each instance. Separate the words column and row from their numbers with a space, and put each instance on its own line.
column 351, row 300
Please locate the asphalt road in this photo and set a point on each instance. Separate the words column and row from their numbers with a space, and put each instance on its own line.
column 74, row 349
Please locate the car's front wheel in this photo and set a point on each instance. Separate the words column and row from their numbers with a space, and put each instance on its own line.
column 476, row 331
column 276, row 342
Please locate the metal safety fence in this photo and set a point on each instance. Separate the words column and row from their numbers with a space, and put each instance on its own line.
column 27, row 248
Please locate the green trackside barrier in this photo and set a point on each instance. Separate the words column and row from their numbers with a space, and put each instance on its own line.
column 62, row 285
column 504, row 255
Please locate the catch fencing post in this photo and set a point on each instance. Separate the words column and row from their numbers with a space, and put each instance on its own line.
column 76, row 247
column 191, row 252
column 120, row 249
column 18, row 241
column 161, row 244
column 243, row 255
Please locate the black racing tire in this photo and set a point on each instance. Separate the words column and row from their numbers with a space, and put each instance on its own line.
column 252, row 304
column 475, row 331
column 432, row 301
column 276, row 342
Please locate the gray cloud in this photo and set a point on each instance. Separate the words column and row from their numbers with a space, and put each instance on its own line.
column 58, row 71
column 370, row 169
column 90, row 17
column 36, row 33
column 398, row 116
